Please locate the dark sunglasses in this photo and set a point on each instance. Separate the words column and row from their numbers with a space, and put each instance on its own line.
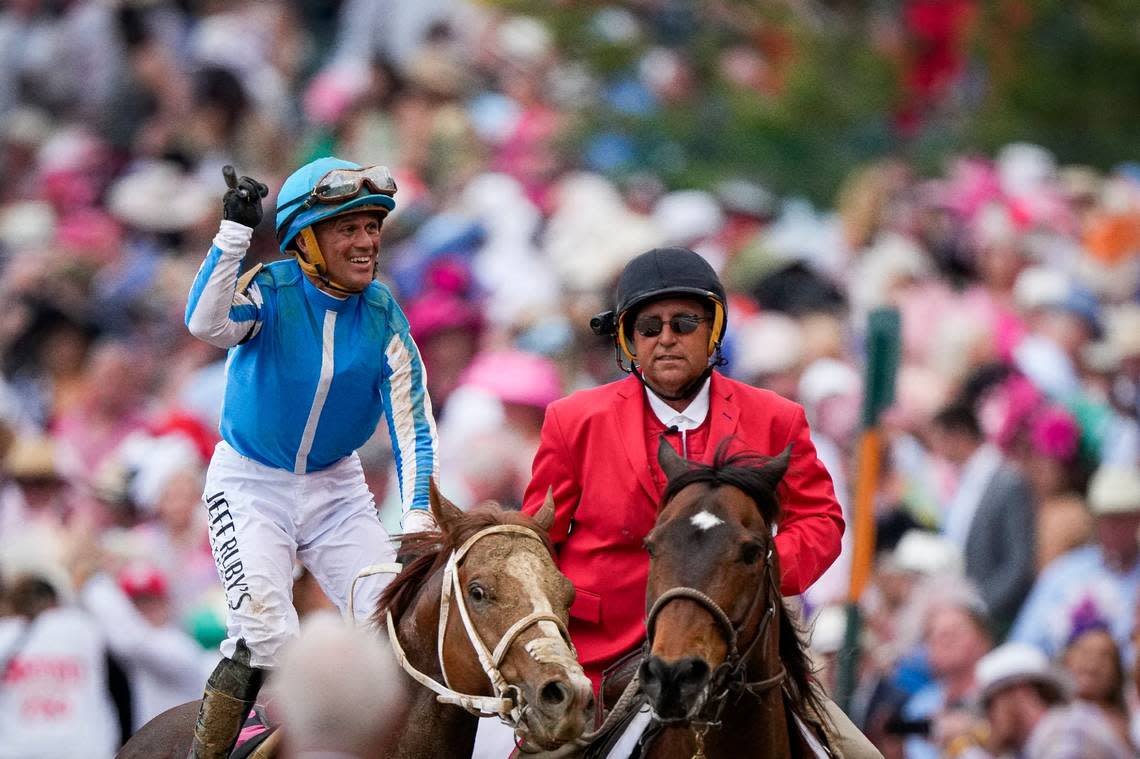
column 681, row 324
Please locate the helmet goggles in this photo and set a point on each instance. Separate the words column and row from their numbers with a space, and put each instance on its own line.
column 338, row 186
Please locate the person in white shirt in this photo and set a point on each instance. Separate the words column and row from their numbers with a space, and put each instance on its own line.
column 54, row 700
column 165, row 666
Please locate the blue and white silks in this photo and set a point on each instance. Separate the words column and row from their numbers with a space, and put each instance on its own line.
column 309, row 374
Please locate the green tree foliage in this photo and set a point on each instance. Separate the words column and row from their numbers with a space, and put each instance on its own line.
column 1061, row 73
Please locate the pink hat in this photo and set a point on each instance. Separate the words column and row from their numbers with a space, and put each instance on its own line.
column 435, row 312
column 515, row 377
column 1054, row 434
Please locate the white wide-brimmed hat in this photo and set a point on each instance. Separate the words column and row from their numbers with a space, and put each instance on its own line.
column 1014, row 664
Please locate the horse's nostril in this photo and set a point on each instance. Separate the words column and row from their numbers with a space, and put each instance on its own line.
column 692, row 671
column 652, row 670
column 554, row 693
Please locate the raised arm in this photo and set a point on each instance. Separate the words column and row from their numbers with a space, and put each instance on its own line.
column 219, row 310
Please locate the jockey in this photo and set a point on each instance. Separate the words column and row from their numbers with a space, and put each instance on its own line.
column 318, row 350
column 596, row 445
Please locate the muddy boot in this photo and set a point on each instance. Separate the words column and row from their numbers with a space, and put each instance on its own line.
column 229, row 696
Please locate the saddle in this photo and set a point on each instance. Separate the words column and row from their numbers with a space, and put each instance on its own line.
column 615, row 680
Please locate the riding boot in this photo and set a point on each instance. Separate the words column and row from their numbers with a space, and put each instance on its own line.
column 229, row 695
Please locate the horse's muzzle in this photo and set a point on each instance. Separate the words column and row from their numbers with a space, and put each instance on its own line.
column 560, row 710
column 676, row 690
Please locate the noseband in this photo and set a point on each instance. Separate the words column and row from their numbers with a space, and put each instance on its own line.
column 508, row 702
column 730, row 675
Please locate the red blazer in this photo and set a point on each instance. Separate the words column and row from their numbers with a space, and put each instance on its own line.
column 593, row 455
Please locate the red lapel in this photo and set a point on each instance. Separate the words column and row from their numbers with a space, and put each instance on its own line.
column 724, row 412
column 630, row 416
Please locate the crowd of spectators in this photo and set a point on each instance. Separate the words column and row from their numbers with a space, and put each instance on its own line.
column 1009, row 500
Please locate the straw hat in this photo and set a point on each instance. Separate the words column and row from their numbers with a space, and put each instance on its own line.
column 32, row 458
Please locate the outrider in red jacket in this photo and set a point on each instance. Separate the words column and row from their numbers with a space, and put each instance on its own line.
column 595, row 454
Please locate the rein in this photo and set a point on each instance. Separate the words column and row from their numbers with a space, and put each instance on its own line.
column 508, row 702
column 729, row 676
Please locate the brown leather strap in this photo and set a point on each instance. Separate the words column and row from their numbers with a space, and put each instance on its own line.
column 615, row 679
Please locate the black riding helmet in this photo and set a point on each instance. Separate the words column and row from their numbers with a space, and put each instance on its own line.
column 657, row 274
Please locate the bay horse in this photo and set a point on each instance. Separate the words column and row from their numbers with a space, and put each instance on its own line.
column 487, row 575
column 725, row 672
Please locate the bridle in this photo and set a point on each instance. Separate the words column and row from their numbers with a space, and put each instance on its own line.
column 508, row 702
column 730, row 676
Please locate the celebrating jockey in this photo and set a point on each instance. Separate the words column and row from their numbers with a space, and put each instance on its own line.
column 318, row 350
column 595, row 454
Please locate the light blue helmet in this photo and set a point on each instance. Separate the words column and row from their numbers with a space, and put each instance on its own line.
column 298, row 207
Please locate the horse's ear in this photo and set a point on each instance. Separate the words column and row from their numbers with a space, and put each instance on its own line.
column 671, row 462
column 444, row 511
column 545, row 516
column 777, row 467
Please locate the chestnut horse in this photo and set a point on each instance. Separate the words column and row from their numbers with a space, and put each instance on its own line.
column 487, row 577
column 726, row 672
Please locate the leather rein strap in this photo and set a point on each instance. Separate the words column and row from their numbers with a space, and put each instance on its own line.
column 730, row 674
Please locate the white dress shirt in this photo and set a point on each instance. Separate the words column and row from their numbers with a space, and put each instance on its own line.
column 692, row 417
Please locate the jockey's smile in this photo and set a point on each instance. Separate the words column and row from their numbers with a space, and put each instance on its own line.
column 350, row 244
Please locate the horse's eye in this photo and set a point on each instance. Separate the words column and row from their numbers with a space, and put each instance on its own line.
column 649, row 547
column 750, row 551
column 477, row 593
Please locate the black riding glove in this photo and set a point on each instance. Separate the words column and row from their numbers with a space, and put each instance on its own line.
column 242, row 201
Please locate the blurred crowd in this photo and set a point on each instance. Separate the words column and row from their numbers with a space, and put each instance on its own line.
column 1009, row 497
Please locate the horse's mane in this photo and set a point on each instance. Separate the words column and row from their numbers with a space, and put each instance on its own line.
column 426, row 552
column 746, row 472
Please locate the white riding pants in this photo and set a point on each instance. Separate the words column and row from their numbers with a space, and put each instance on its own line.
column 261, row 519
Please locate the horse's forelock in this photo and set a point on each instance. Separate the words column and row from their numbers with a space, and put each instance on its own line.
column 745, row 471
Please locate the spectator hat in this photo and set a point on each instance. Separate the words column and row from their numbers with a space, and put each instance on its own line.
column 159, row 197
column 516, row 377
column 687, row 216
column 139, row 579
column 434, row 312
column 767, row 343
column 925, row 553
column 32, row 458
column 1016, row 664
column 825, row 378
column 1115, row 489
